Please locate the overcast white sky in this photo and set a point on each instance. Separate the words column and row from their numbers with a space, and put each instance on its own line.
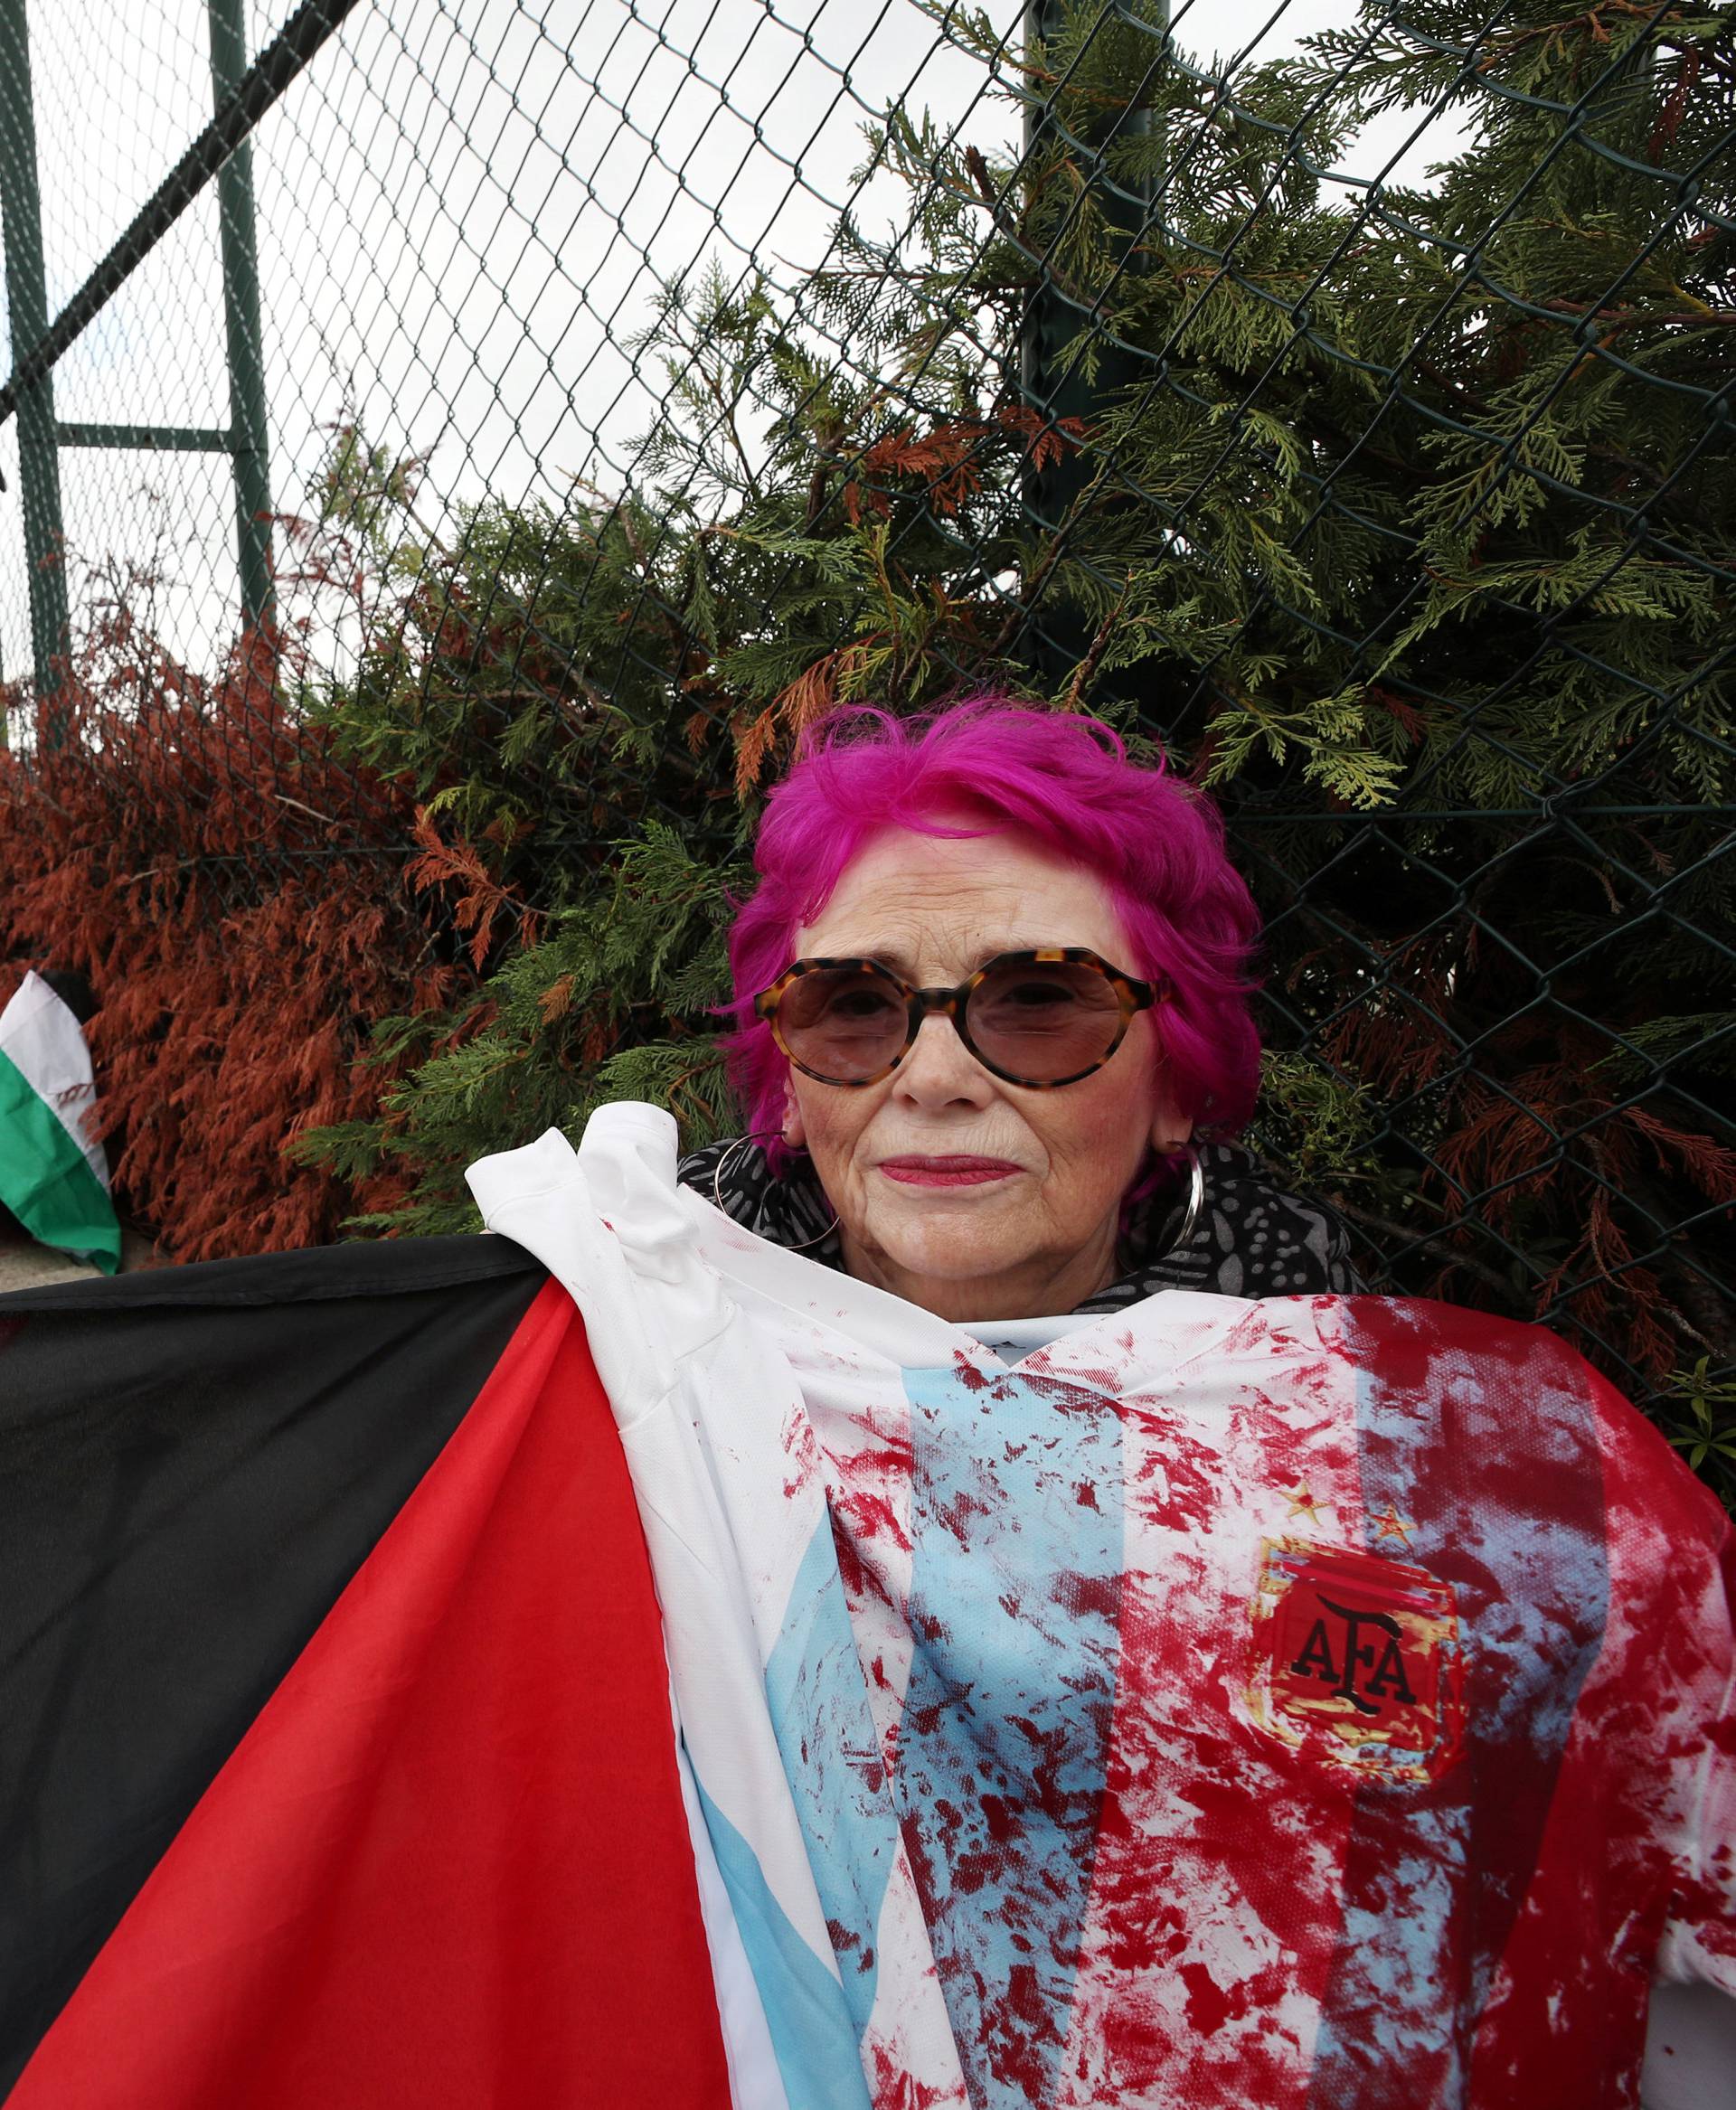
column 465, row 207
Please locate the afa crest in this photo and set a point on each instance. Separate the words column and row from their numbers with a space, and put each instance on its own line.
column 1357, row 1660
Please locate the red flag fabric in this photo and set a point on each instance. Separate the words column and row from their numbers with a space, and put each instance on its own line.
column 446, row 1862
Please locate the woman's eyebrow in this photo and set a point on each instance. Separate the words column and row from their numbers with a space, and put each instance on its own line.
column 883, row 955
column 902, row 963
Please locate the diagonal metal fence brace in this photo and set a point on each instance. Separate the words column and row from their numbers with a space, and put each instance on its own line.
column 286, row 56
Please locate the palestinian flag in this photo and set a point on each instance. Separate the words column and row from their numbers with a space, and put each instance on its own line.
column 53, row 1174
column 335, row 1753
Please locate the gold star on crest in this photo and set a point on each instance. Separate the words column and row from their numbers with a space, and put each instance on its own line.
column 1303, row 1504
column 1389, row 1524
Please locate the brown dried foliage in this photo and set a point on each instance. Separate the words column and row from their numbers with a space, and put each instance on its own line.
column 945, row 463
column 1556, row 1162
column 236, row 897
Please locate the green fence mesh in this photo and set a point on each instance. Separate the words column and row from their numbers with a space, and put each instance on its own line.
column 585, row 394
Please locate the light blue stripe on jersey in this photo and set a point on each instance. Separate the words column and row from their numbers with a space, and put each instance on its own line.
column 1016, row 1515
column 832, row 1760
column 1434, row 1874
column 813, row 2034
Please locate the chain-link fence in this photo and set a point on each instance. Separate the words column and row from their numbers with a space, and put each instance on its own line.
column 577, row 397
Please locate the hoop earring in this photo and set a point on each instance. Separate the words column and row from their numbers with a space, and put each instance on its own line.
column 1195, row 1201
column 747, row 1143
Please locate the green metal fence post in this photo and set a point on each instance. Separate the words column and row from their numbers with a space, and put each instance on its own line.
column 39, row 468
column 1051, row 383
column 240, row 239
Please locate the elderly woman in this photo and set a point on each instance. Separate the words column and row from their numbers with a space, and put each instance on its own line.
column 1017, row 1155
column 1110, row 1671
column 973, row 1617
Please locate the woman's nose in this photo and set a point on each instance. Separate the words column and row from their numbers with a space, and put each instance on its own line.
column 939, row 1070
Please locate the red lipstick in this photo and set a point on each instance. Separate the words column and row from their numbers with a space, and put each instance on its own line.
column 947, row 1172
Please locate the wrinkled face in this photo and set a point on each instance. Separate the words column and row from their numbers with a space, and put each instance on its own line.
column 974, row 1198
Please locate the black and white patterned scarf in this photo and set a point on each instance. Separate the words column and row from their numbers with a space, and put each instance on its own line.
column 1249, row 1239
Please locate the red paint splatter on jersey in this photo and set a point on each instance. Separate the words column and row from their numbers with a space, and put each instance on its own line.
column 1211, row 1949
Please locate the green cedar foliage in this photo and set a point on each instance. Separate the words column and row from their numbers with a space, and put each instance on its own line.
column 1402, row 517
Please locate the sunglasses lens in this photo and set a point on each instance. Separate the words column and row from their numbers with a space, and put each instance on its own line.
column 1043, row 1021
column 844, row 1025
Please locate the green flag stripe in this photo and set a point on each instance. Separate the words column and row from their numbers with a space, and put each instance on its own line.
column 45, row 1179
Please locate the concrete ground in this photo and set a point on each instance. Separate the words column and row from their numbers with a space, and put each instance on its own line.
column 25, row 1264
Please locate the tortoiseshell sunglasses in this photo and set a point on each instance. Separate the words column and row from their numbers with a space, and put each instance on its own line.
column 1038, row 1018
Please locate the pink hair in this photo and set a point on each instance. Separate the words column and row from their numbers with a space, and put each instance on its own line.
column 1061, row 783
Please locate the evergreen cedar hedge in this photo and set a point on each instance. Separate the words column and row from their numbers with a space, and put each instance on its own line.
column 481, row 885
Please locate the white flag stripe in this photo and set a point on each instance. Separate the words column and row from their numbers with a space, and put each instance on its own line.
column 43, row 1040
